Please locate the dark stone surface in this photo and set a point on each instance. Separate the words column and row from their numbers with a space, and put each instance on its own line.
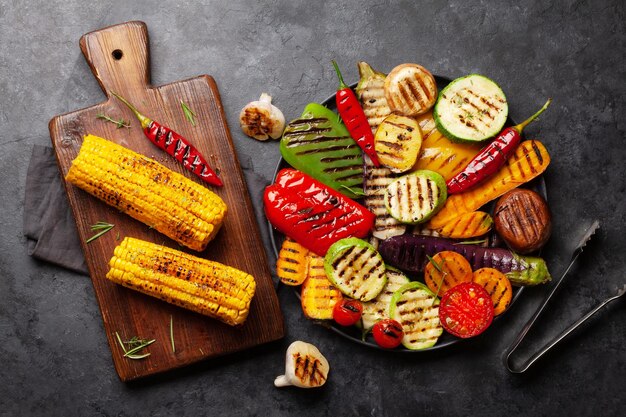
column 54, row 359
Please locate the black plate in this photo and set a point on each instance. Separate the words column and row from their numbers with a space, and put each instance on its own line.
column 352, row 332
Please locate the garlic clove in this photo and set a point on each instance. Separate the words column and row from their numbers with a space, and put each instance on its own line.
column 262, row 120
column 305, row 367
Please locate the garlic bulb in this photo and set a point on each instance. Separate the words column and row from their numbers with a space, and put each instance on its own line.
column 261, row 119
column 305, row 367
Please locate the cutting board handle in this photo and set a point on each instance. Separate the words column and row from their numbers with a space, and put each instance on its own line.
column 118, row 56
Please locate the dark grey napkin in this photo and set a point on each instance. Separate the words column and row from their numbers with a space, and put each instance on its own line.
column 48, row 222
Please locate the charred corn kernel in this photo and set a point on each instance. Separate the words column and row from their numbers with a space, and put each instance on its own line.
column 293, row 262
column 176, row 206
column 197, row 284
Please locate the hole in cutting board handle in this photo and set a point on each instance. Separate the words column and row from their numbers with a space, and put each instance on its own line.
column 117, row 54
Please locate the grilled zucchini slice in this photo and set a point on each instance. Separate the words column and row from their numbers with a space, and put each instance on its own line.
column 416, row 308
column 378, row 308
column 471, row 109
column 355, row 268
column 416, row 197
column 397, row 142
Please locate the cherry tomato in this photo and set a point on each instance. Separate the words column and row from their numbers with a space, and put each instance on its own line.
column 466, row 310
column 388, row 333
column 347, row 311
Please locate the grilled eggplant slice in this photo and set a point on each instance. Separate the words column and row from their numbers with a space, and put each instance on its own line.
column 410, row 89
column 375, row 182
column 318, row 144
column 378, row 308
column 398, row 141
column 416, row 197
column 416, row 308
column 371, row 94
column 355, row 268
column 471, row 109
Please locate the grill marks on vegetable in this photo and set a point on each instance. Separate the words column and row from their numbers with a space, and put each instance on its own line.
column 355, row 267
column 375, row 183
column 417, row 309
column 339, row 156
column 413, row 196
column 378, row 308
column 308, row 370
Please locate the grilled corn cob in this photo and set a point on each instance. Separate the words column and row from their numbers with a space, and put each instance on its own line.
column 197, row 284
column 181, row 209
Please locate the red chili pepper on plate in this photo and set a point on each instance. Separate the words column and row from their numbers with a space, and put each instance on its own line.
column 492, row 158
column 354, row 118
column 175, row 145
column 313, row 214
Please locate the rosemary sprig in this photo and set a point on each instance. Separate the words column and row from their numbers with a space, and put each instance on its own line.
column 172, row 333
column 443, row 275
column 102, row 228
column 473, row 242
column 357, row 192
column 189, row 114
column 135, row 344
column 119, row 123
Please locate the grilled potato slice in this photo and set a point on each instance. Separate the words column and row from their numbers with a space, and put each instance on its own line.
column 397, row 142
column 410, row 89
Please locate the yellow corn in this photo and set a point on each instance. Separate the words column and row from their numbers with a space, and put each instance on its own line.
column 197, row 284
column 176, row 206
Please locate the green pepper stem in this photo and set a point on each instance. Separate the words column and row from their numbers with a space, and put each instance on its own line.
column 342, row 85
column 526, row 122
column 145, row 122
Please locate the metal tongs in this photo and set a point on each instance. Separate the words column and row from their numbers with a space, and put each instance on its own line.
column 579, row 248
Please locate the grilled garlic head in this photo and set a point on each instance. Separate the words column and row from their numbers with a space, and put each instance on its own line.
column 305, row 367
column 262, row 120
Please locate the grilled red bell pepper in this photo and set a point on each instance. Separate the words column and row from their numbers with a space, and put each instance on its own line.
column 313, row 214
column 492, row 158
column 175, row 145
column 354, row 118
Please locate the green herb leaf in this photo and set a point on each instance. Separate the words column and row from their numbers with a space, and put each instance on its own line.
column 172, row 333
column 443, row 276
column 135, row 344
column 360, row 193
column 473, row 242
column 119, row 123
column 189, row 114
column 102, row 227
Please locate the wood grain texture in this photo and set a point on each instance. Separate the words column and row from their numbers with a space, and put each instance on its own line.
column 119, row 58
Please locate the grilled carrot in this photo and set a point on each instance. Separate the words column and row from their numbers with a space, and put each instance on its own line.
column 467, row 225
column 497, row 285
column 529, row 160
column 445, row 270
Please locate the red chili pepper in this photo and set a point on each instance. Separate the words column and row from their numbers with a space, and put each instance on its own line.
column 492, row 158
column 354, row 118
column 313, row 214
column 175, row 145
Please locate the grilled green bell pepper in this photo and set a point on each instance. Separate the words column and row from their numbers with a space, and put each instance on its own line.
column 319, row 145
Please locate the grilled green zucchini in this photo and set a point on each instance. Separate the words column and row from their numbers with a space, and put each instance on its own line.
column 319, row 145
column 355, row 268
column 416, row 308
column 471, row 109
column 416, row 197
column 378, row 308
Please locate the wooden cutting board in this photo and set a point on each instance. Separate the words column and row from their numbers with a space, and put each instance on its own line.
column 119, row 58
